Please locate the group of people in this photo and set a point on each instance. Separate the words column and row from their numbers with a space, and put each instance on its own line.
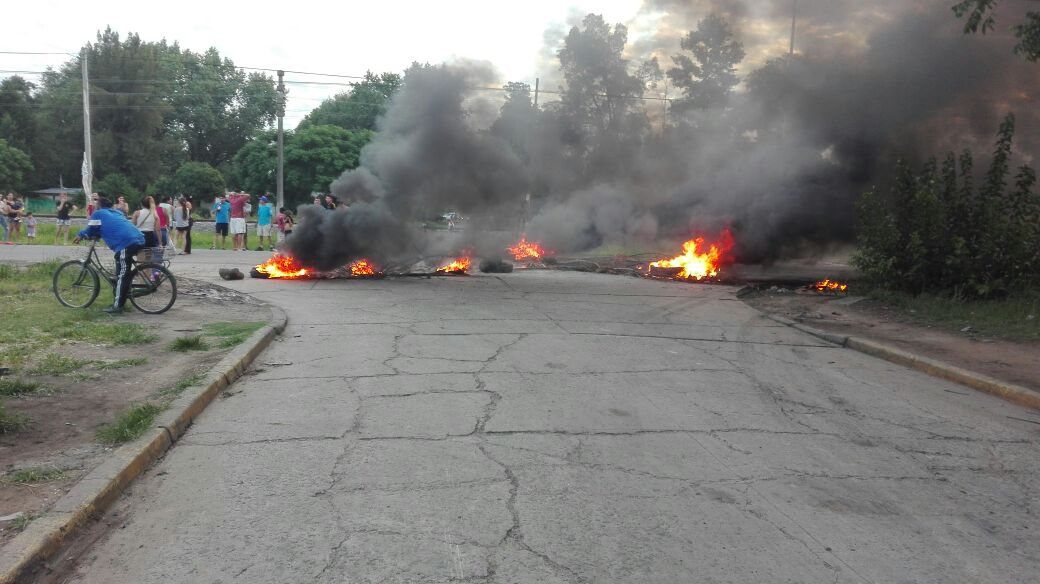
column 229, row 215
column 12, row 216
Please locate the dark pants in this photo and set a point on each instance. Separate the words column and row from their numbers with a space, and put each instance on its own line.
column 187, row 239
column 124, row 263
column 150, row 239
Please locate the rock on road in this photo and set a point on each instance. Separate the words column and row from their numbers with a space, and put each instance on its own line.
column 553, row 427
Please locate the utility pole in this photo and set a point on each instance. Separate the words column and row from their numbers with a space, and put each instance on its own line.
column 281, row 141
column 88, row 160
column 536, row 80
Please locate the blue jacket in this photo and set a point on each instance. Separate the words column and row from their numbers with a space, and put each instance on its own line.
column 113, row 227
column 222, row 212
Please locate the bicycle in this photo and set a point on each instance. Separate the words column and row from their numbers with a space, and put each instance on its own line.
column 153, row 288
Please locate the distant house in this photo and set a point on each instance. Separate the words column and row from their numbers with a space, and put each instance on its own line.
column 44, row 201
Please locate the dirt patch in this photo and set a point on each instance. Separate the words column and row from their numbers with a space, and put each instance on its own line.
column 1014, row 362
column 70, row 407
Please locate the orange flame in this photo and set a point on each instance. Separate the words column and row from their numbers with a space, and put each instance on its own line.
column 829, row 286
column 362, row 268
column 458, row 265
column 528, row 250
column 282, row 266
column 698, row 265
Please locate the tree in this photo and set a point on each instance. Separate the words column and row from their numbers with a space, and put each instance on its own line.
column 199, row 181
column 980, row 18
column 359, row 108
column 708, row 78
column 255, row 165
column 601, row 120
column 115, row 184
column 318, row 155
column 216, row 106
column 517, row 118
column 14, row 167
column 17, row 120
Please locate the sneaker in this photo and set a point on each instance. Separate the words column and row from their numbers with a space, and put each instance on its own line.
column 113, row 310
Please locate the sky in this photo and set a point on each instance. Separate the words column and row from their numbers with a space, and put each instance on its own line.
column 306, row 36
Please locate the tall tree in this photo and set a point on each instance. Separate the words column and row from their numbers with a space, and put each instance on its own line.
column 17, row 113
column 359, row 108
column 317, row 155
column 216, row 107
column 708, row 75
column 14, row 166
column 979, row 16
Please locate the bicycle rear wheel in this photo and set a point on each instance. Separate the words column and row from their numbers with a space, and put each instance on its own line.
column 153, row 289
column 76, row 284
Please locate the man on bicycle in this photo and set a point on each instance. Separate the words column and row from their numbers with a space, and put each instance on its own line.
column 120, row 236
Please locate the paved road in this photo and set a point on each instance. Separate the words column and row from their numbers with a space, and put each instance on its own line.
column 552, row 427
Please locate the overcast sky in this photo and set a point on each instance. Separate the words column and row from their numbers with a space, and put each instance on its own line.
column 306, row 35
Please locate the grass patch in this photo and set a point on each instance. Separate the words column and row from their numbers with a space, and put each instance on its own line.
column 231, row 333
column 129, row 425
column 1008, row 318
column 13, row 387
column 180, row 386
column 34, row 321
column 11, row 421
column 55, row 364
column 120, row 364
column 32, row 476
column 185, row 344
column 22, row 522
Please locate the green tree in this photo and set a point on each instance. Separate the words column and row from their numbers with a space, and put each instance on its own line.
column 708, row 78
column 14, row 167
column 980, row 17
column 17, row 114
column 216, row 107
column 317, row 155
column 199, row 181
column 359, row 108
column 116, row 184
column 255, row 165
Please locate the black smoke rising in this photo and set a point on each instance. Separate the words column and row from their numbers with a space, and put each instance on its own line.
column 430, row 154
column 784, row 163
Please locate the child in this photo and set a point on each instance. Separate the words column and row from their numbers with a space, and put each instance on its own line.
column 30, row 227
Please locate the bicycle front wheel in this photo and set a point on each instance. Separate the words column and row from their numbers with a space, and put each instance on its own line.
column 76, row 284
column 153, row 289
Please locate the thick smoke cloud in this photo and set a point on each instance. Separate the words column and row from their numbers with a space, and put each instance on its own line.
column 781, row 164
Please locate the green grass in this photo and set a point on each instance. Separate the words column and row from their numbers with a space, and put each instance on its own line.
column 199, row 239
column 185, row 344
column 1005, row 319
column 231, row 333
column 120, row 364
column 55, row 364
column 32, row 476
column 22, row 522
column 129, row 425
column 12, row 387
column 10, row 421
column 180, row 386
column 33, row 320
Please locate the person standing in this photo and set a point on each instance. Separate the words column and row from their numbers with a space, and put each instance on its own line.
column 122, row 206
column 30, row 227
column 64, row 220
column 14, row 216
column 146, row 219
column 122, row 238
column 221, row 215
column 263, row 224
column 191, row 222
column 166, row 218
column 180, row 222
column 238, row 219
column 3, row 220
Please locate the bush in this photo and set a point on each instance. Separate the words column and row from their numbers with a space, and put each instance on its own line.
column 936, row 231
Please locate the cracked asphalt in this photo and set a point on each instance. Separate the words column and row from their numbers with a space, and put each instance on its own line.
column 553, row 427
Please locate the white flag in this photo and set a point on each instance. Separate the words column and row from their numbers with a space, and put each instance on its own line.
column 87, row 180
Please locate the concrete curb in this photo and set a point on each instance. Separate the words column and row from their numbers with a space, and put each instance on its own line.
column 102, row 486
column 1016, row 394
